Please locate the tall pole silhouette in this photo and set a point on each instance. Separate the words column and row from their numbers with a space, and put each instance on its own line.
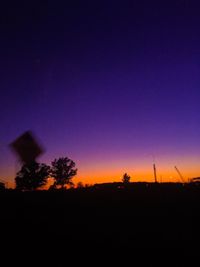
column 155, row 175
column 181, row 176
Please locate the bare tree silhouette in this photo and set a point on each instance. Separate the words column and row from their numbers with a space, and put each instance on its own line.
column 32, row 176
column 63, row 170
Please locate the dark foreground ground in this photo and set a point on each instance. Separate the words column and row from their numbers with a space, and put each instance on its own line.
column 55, row 224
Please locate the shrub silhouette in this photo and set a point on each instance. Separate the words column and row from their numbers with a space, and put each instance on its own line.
column 80, row 185
column 2, row 186
column 63, row 170
column 126, row 178
column 32, row 176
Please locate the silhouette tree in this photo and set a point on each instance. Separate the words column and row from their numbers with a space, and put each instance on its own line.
column 80, row 185
column 2, row 186
column 126, row 178
column 32, row 176
column 63, row 170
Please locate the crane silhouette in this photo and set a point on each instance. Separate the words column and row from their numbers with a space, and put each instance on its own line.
column 180, row 175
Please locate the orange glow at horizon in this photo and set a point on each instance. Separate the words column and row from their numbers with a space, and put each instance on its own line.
column 140, row 171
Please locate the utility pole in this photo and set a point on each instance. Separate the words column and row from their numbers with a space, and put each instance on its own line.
column 155, row 175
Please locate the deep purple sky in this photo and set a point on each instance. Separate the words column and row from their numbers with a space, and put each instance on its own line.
column 107, row 84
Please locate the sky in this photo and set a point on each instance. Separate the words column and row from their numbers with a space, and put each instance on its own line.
column 113, row 85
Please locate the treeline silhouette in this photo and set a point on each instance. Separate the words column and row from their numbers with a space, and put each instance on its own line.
column 34, row 175
column 120, row 216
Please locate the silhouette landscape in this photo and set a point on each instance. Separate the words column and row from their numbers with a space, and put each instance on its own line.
column 100, row 130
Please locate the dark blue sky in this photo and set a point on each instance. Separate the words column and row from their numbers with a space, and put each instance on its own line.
column 104, row 83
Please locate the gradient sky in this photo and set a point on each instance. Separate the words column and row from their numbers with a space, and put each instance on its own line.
column 113, row 85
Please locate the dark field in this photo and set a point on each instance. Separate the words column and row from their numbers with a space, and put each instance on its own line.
column 140, row 216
